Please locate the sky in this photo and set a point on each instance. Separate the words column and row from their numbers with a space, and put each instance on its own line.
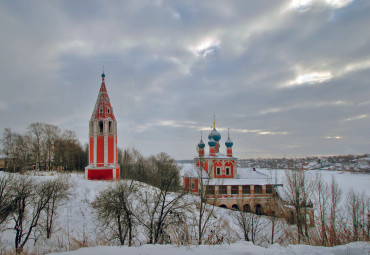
column 289, row 78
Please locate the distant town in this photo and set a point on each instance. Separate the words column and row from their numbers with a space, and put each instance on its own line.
column 355, row 163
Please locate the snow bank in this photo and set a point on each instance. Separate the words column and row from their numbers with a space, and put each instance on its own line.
column 236, row 248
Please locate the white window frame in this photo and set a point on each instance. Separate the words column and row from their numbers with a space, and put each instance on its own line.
column 228, row 171
column 218, row 170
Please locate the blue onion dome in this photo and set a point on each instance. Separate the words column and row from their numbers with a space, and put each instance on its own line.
column 201, row 144
column 216, row 135
column 212, row 142
column 210, row 135
column 229, row 143
column 103, row 75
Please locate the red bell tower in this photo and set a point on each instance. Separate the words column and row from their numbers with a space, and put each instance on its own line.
column 102, row 140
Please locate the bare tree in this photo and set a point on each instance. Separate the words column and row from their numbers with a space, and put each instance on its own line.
column 7, row 199
column 162, row 204
column 243, row 221
column 31, row 199
column 36, row 135
column 357, row 205
column 160, row 209
column 8, row 144
column 250, row 224
column 335, row 198
column 273, row 221
column 115, row 211
column 322, row 195
column 51, row 136
column 298, row 195
column 58, row 190
column 22, row 152
column 205, row 204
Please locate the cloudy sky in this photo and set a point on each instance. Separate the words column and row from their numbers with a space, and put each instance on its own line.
column 289, row 78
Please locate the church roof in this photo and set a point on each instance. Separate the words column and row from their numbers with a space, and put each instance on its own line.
column 103, row 109
column 218, row 156
column 190, row 170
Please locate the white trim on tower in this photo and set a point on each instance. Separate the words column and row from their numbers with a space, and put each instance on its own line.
column 95, row 142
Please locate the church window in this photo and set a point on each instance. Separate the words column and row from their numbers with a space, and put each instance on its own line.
column 210, row 190
column 246, row 189
column 234, row 190
column 268, row 189
column 227, row 171
column 218, row 170
column 110, row 127
column 257, row 189
column 101, row 126
column 108, row 110
column 192, row 184
column 101, row 111
column 223, row 190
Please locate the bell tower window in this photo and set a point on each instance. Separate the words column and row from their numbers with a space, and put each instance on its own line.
column 101, row 126
column 110, row 127
column 101, row 111
column 108, row 110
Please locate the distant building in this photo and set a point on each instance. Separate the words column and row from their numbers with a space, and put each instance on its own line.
column 2, row 164
column 102, row 140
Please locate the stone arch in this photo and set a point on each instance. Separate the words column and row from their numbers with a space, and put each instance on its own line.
column 246, row 208
column 223, row 206
column 235, row 207
column 259, row 209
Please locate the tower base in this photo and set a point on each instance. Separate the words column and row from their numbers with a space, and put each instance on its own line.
column 104, row 173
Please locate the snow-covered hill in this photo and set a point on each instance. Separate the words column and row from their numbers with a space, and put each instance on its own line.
column 76, row 226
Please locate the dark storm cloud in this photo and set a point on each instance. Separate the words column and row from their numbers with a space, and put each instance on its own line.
column 289, row 78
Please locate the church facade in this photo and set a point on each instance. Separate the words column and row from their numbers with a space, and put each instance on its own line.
column 102, row 140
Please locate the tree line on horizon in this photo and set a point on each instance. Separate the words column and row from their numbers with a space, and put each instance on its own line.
column 42, row 147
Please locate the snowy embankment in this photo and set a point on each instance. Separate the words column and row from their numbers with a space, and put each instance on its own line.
column 76, row 226
column 236, row 248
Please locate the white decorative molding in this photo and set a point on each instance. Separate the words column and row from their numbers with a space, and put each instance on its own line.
column 95, row 143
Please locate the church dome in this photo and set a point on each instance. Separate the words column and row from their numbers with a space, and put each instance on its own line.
column 201, row 144
column 212, row 142
column 228, row 142
column 215, row 135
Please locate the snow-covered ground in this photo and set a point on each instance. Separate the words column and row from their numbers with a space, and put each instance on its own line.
column 237, row 248
column 76, row 225
column 359, row 182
